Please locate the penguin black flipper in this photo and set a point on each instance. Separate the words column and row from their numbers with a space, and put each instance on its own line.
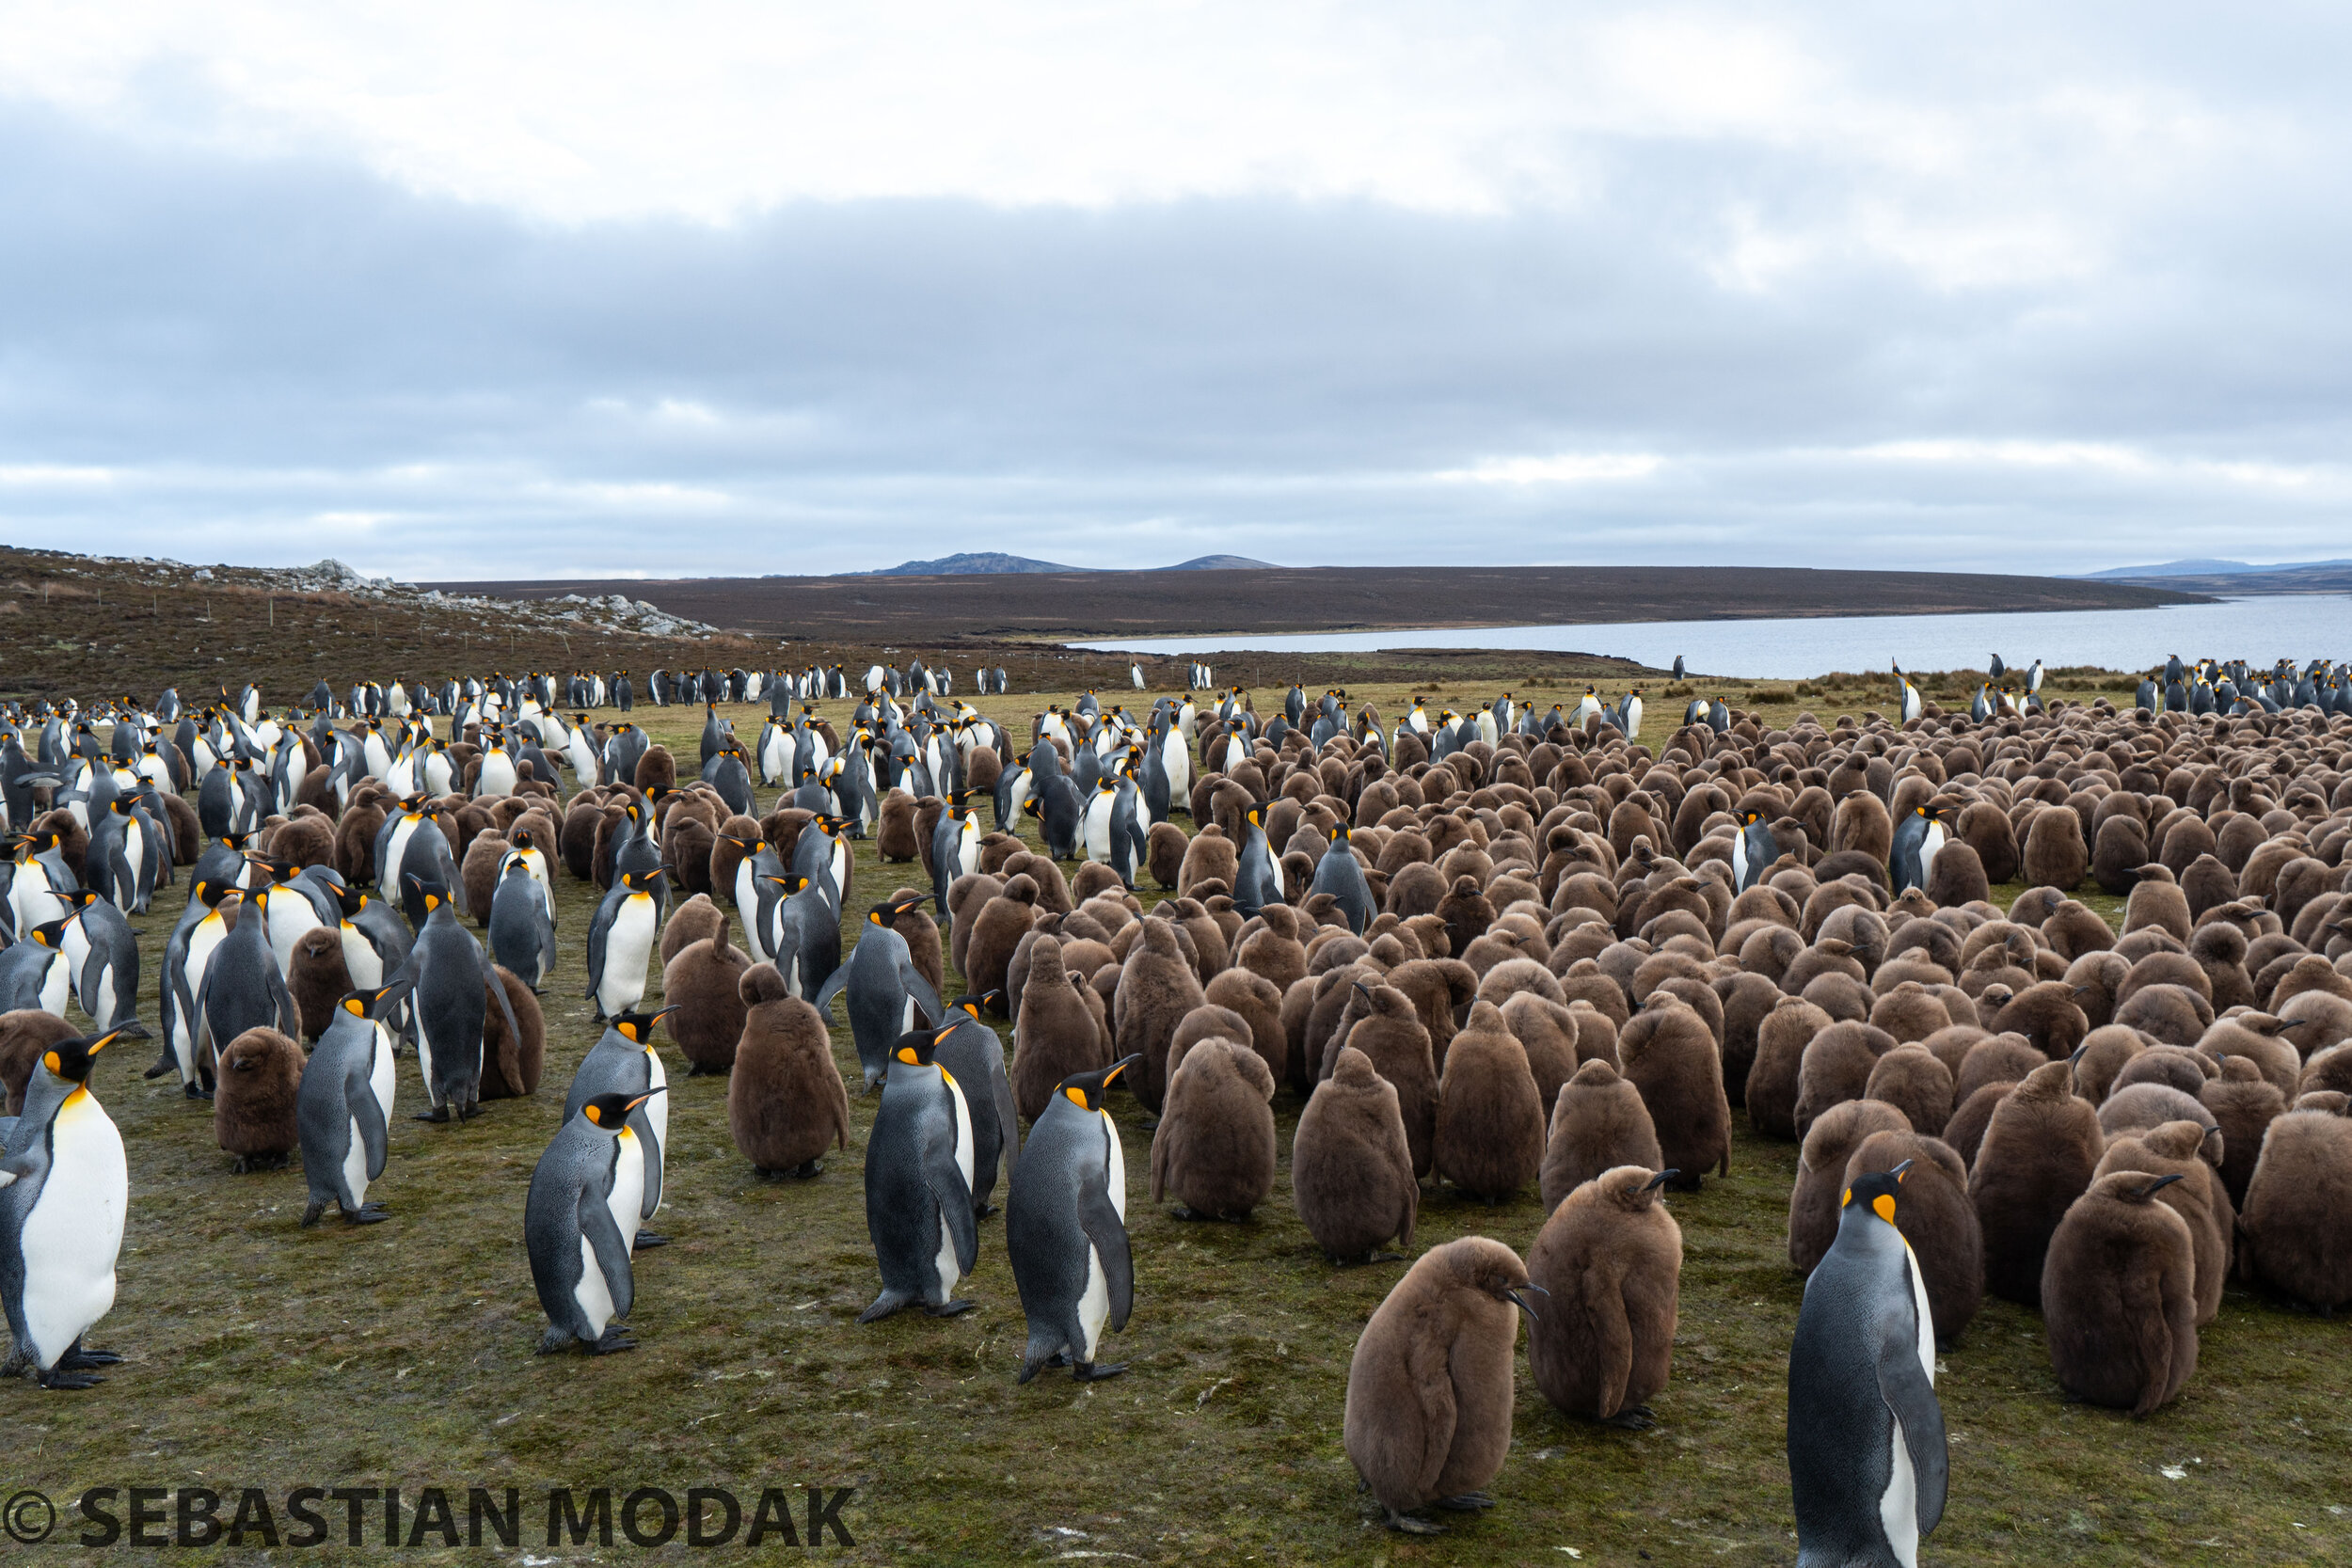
column 596, row 933
column 604, row 1239
column 916, row 987
column 497, row 989
column 289, row 1016
column 374, row 1137
column 833, row 987
column 1911, row 1397
column 1107, row 1233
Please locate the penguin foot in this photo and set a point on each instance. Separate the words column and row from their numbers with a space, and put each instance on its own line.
column 1095, row 1372
column 553, row 1341
column 1634, row 1417
column 369, row 1214
column 648, row 1239
column 613, row 1340
column 1185, row 1211
column 1411, row 1526
column 310, row 1215
column 807, row 1168
column 1149, row 1122
column 1367, row 1259
column 949, row 1309
column 983, row 1211
column 439, row 1112
column 163, row 1064
column 81, row 1358
column 883, row 1306
column 61, row 1380
column 1466, row 1502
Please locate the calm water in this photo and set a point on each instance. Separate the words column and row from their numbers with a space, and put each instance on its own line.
column 2259, row 630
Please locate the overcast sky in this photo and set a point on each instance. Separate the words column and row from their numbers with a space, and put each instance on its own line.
column 522, row 290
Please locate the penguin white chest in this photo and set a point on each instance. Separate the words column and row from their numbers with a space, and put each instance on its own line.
column 626, row 942
column 1928, row 845
column 1098, row 831
column 950, row 1271
column 73, row 1233
column 628, row 1198
column 57, row 983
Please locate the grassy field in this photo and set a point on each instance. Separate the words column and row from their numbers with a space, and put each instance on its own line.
column 260, row 1354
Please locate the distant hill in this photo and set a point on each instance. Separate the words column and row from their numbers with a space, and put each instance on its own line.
column 2235, row 576
column 971, row 563
column 1223, row 563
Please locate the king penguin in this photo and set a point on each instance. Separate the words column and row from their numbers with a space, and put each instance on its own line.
column 1339, row 874
column 621, row 939
column 1065, row 1230
column 955, row 848
column 1754, row 849
column 968, row 1051
column 888, row 996
column 626, row 1063
column 343, row 1109
column 918, row 1185
column 1918, row 838
column 1865, row 1434
column 64, row 1189
column 579, row 1255
column 453, row 979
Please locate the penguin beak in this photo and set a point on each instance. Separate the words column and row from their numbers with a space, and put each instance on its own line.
column 1519, row 1297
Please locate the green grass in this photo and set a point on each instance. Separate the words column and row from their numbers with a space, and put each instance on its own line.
column 259, row 1353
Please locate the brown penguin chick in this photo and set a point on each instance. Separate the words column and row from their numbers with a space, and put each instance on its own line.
column 1815, row 1197
column 967, row 896
column 479, row 872
column 2039, row 1147
column 1910, row 1012
column 1964, row 1132
column 1351, row 1165
column 1937, row 1219
column 1164, row 849
column 2199, row 1197
column 913, row 923
column 1256, row 1000
column 2296, row 1224
column 25, row 1033
column 1429, row 1390
column 1393, row 1038
column 1212, row 856
column 1214, row 1148
column 692, row 920
column 1466, row 913
column 355, row 843
column 253, row 1102
column 2139, row 1107
column 1829, row 956
column 2156, row 903
column 1668, row 1053
column 1747, row 1000
column 1836, row 1067
column 1274, row 949
column 2219, row 949
column 1157, row 986
column 1610, row 1260
column 996, row 933
column 895, row 839
column 317, row 978
column 703, row 984
column 1204, row 1023
column 2183, row 1068
column 1054, row 1035
column 1773, row 1079
column 657, row 769
column 2105, row 1052
column 2056, row 855
column 2117, row 851
column 1956, row 877
column 787, row 1103
column 1911, row 1079
column 1598, row 1122
column 2244, row 1105
column 2044, row 1012
column 2119, row 1295
column 511, row 1067
column 1490, row 1116
column 2074, row 929
column 1547, row 1031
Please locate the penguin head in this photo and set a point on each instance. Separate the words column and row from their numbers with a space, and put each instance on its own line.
column 987, row 1001
column 351, row 900
column 1876, row 1191
column 49, row 934
column 611, row 1111
column 70, row 1060
column 1341, row 832
column 906, row 903
column 915, row 1047
column 433, row 892
column 1085, row 1089
column 642, row 881
column 376, row 1003
column 637, row 1028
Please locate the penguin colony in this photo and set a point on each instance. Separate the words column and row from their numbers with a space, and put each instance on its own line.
column 1504, row 951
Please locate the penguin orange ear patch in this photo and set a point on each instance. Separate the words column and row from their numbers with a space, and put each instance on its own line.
column 1846, row 1197
column 353, row 1005
column 1076, row 1097
column 54, row 1062
column 907, row 1055
column 1885, row 1204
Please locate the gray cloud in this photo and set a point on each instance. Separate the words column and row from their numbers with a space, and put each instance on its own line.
column 1711, row 354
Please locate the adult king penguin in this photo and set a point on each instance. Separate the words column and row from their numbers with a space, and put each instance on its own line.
column 578, row 1257
column 1753, row 848
column 625, row 1062
column 343, row 1110
column 888, row 996
column 621, row 939
column 64, row 1188
column 1918, row 838
column 1065, row 1230
column 918, row 1185
column 1865, row 1434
